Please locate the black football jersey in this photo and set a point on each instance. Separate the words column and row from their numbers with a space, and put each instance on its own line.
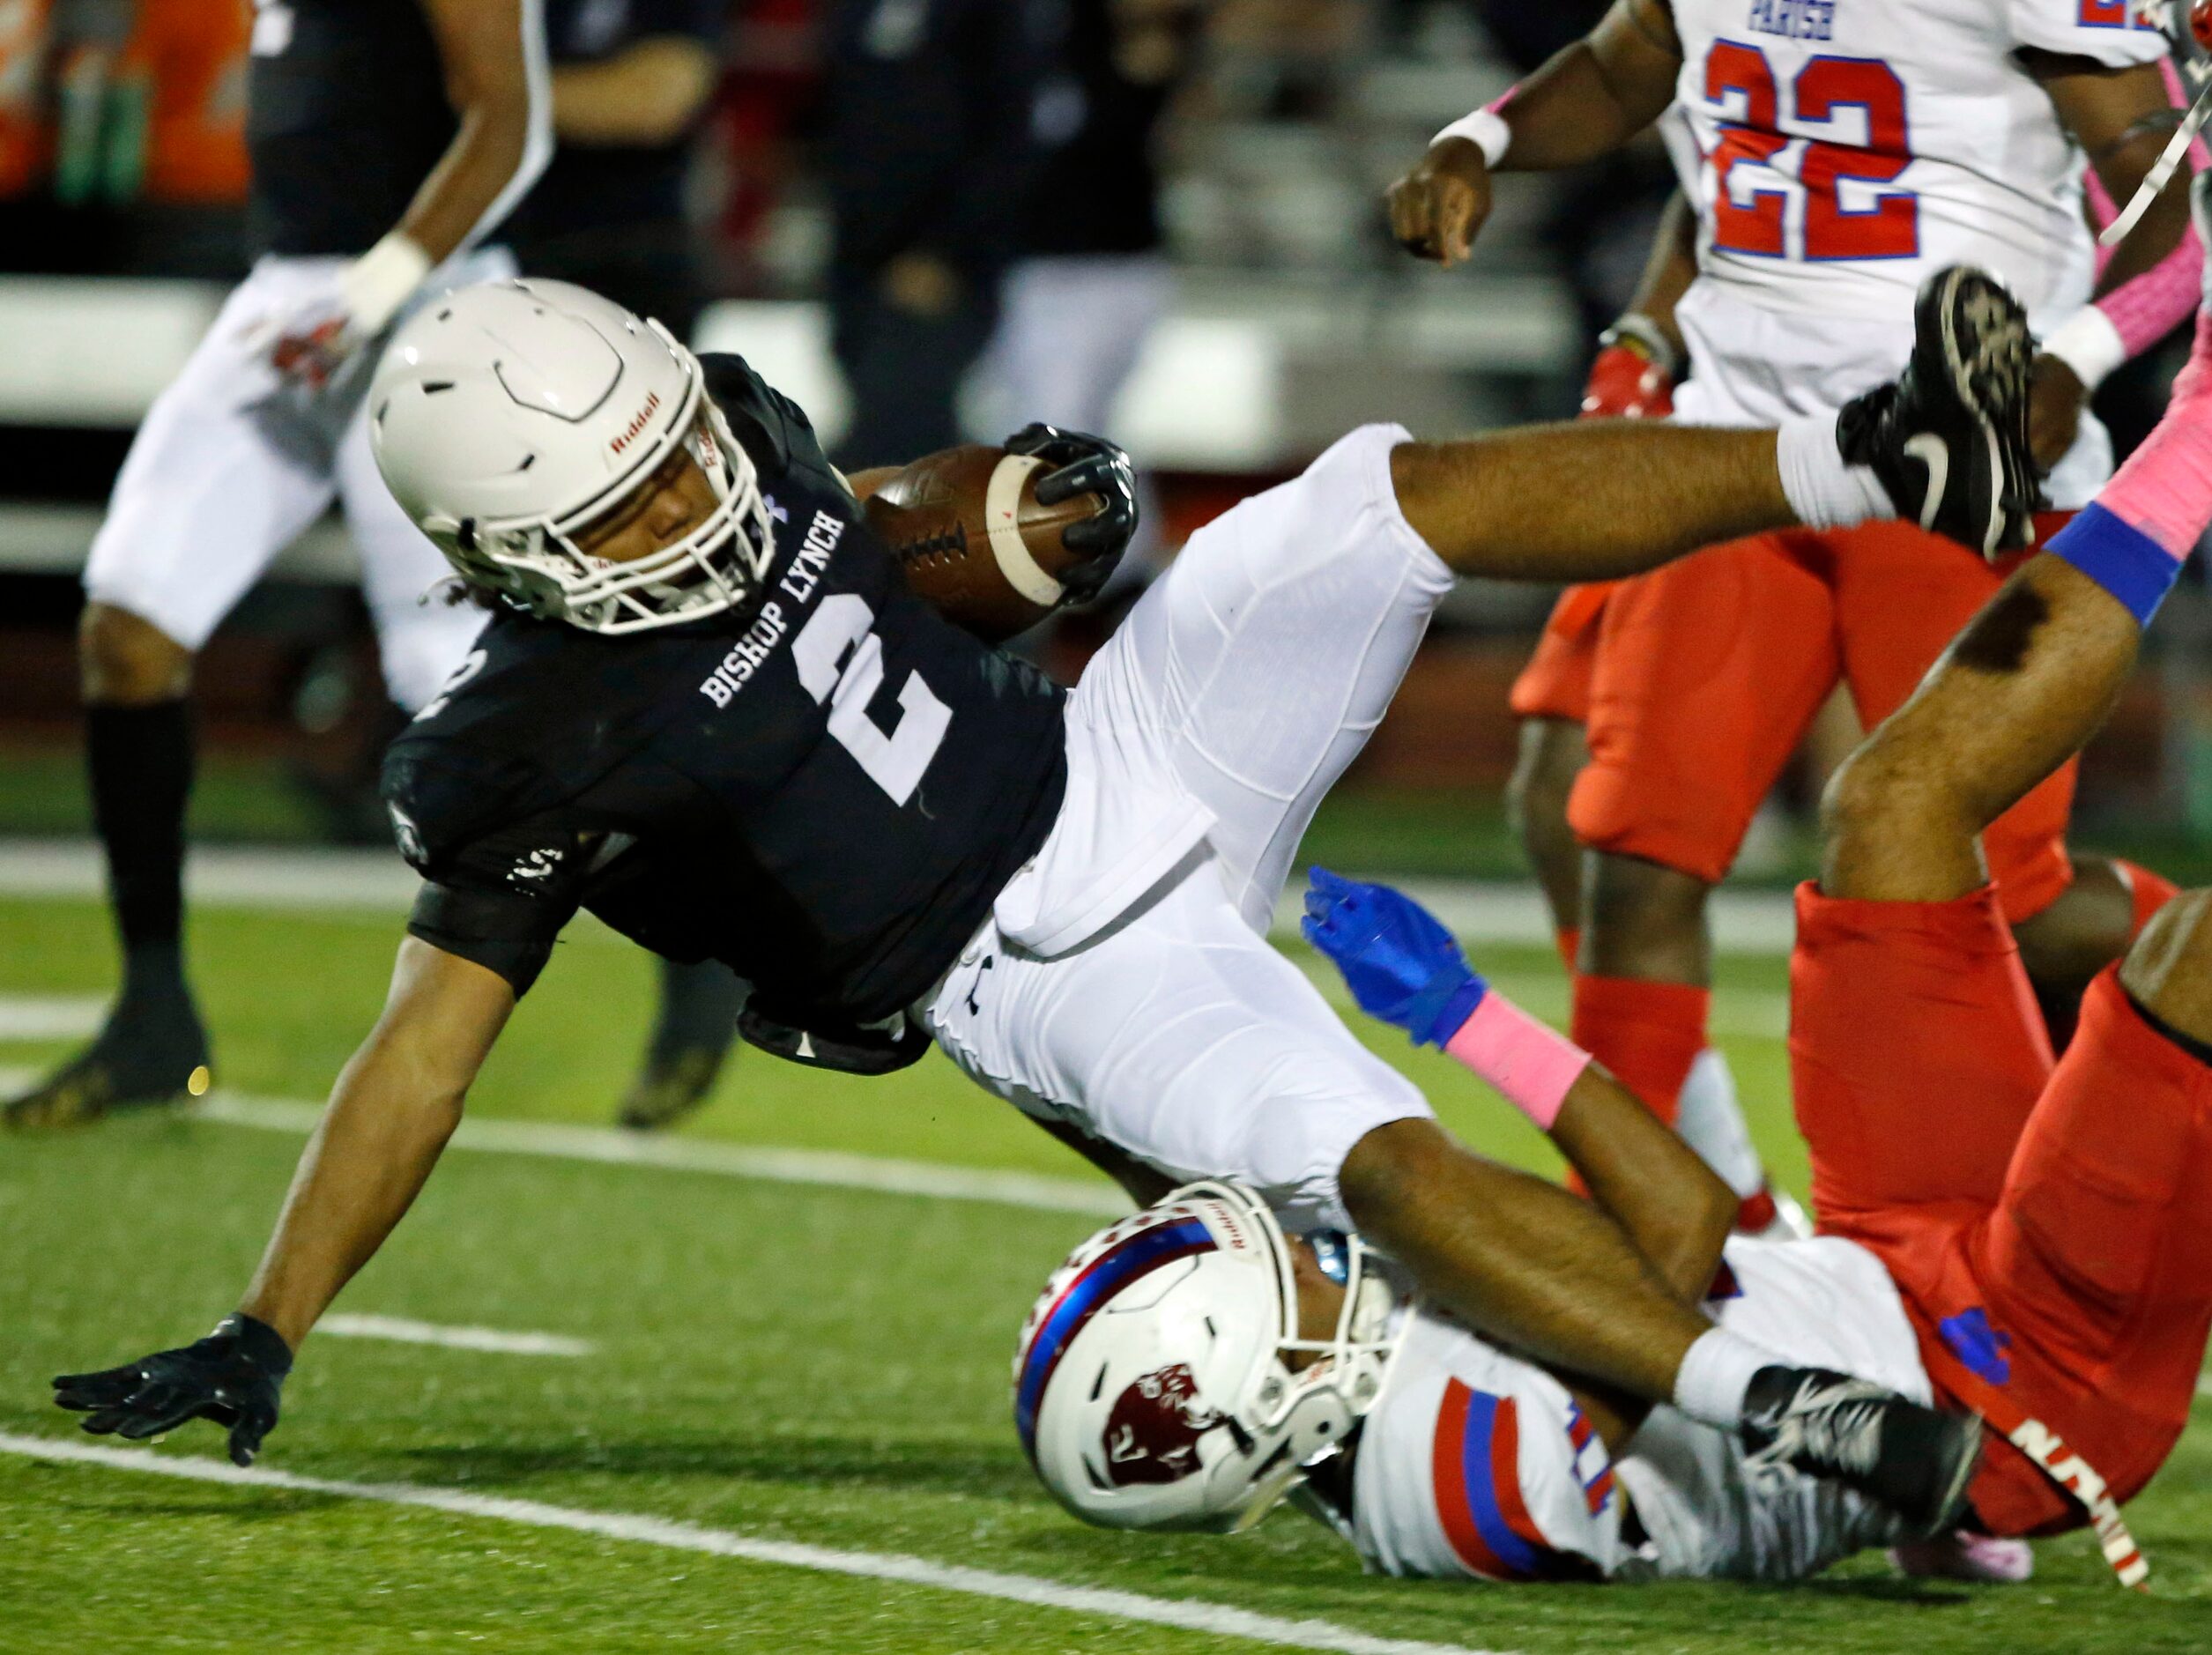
column 345, row 116
column 824, row 790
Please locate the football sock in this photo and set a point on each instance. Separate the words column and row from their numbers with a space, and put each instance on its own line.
column 2149, row 891
column 1647, row 1033
column 1716, row 1372
column 1711, row 1122
column 1569, row 938
column 140, row 764
column 1825, row 490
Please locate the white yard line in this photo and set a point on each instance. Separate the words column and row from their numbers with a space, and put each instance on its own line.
column 605, row 1145
column 1220, row 1620
column 51, row 1016
column 377, row 881
column 400, row 1330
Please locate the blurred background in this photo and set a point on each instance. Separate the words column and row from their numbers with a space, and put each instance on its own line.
column 1157, row 217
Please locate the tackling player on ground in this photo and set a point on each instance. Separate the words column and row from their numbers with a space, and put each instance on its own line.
column 709, row 709
column 2038, row 1248
column 1838, row 152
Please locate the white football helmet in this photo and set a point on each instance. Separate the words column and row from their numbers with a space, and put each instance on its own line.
column 508, row 416
column 1150, row 1389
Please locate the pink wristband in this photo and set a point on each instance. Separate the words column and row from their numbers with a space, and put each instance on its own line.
column 1532, row 1064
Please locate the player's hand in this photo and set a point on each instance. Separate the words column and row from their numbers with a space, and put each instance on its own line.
column 2056, row 398
column 1400, row 964
column 231, row 1377
column 1438, row 209
column 1084, row 464
column 1627, row 384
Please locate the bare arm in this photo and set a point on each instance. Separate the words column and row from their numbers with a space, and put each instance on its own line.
column 648, row 94
column 1674, row 1206
column 2121, row 118
column 495, row 81
column 1668, row 270
column 1592, row 98
column 395, row 1105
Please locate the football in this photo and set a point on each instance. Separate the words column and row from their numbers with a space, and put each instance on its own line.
column 972, row 539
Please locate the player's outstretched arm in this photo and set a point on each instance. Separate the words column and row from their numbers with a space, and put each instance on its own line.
column 395, row 1105
column 1406, row 969
column 499, row 86
column 1592, row 97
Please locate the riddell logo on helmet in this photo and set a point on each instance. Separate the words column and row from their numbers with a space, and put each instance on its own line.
column 1153, row 1434
column 637, row 424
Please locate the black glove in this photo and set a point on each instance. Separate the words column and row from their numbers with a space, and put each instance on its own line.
column 232, row 1377
column 1083, row 465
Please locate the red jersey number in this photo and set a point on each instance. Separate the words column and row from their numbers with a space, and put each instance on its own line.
column 1848, row 214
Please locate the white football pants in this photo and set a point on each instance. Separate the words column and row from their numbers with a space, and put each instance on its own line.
column 228, row 470
column 1247, row 678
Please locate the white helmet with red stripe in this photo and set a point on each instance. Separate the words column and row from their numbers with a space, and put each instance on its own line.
column 1151, row 1388
column 509, row 417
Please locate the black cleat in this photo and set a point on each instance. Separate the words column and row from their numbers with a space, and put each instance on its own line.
column 691, row 1037
column 138, row 1061
column 1913, row 1459
column 1949, row 438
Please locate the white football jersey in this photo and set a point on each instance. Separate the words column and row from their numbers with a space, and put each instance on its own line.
column 1844, row 150
column 1478, row 1465
column 1852, row 147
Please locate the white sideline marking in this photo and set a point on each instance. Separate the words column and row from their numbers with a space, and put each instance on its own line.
column 606, row 1145
column 1186, row 1614
column 404, row 1331
column 50, row 1016
column 2204, row 1384
column 329, row 879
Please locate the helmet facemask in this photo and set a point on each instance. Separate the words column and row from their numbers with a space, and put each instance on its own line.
column 2187, row 26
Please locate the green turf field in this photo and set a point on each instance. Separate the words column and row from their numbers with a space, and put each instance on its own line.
column 813, row 1365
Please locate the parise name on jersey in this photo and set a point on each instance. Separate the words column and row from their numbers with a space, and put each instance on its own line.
column 825, row 789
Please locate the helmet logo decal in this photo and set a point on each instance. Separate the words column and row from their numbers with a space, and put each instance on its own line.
column 638, row 422
column 1152, row 1435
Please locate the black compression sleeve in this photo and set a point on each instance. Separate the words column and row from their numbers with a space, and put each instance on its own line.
column 511, row 935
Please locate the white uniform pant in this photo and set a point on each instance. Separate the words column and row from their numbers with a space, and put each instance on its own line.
column 1246, row 680
column 229, row 468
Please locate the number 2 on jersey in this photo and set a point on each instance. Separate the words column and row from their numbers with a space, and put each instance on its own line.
column 840, row 662
column 1751, row 212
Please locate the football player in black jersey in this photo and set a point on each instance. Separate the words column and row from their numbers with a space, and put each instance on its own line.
column 389, row 138
column 707, row 709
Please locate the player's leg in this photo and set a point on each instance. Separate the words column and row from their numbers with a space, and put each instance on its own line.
column 1551, row 698
column 2090, row 1284
column 217, row 482
column 1708, row 672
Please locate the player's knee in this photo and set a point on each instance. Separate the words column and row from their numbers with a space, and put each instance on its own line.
column 2168, row 971
column 1551, row 754
column 127, row 660
column 1644, row 920
column 1881, row 793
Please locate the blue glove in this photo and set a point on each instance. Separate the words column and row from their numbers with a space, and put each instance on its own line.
column 1397, row 960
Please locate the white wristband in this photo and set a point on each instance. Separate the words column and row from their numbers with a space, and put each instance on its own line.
column 2087, row 343
column 376, row 285
column 1486, row 130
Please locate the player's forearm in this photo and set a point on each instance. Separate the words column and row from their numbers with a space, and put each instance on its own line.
column 375, row 1145
column 1591, row 500
column 496, row 79
column 645, row 96
column 1676, row 1211
column 486, row 159
column 1668, row 270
